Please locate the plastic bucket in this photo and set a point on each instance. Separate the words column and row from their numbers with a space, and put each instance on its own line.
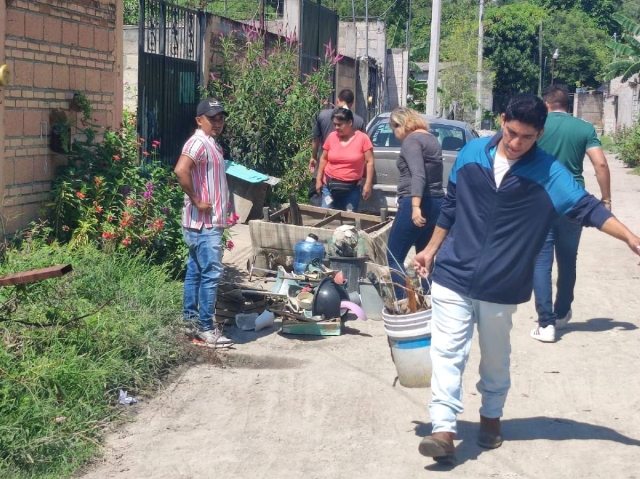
column 410, row 341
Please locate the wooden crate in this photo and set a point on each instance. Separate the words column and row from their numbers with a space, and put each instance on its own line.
column 277, row 240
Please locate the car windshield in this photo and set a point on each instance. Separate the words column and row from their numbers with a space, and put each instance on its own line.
column 450, row 137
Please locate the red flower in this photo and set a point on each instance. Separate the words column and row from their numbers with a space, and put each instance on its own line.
column 235, row 217
column 126, row 241
column 99, row 209
column 158, row 223
column 130, row 202
column 81, row 195
column 110, row 218
column 146, row 153
column 230, row 245
column 116, row 158
column 155, row 143
column 108, row 235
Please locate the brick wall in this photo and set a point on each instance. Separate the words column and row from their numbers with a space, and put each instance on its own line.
column 54, row 49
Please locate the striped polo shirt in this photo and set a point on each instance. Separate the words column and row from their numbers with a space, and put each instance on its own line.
column 209, row 182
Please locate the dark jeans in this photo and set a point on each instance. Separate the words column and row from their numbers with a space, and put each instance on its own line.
column 564, row 238
column 405, row 234
column 341, row 200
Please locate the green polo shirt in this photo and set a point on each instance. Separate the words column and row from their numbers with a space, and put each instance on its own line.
column 567, row 139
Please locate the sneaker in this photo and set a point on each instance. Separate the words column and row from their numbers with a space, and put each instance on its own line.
column 546, row 334
column 214, row 338
column 561, row 323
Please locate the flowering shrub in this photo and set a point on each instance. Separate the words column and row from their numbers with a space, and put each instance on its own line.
column 106, row 194
column 627, row 144
column 271, row 109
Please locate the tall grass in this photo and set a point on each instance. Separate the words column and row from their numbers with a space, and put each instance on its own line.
column 65, row 367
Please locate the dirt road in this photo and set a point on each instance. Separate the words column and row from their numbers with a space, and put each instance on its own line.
column 289, row 408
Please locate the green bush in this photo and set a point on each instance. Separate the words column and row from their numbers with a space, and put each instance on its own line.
column 61, row 371
column 627, row 144
column 271, row 109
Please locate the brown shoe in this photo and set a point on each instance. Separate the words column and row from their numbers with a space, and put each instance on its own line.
column 440, row 447
column 489, row 436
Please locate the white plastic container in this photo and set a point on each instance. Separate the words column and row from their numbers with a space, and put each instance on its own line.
column 410, row 341
column 246, row 321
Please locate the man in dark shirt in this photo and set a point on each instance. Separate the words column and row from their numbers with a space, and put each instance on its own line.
column 321, row 130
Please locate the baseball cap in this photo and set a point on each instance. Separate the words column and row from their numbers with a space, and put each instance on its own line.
column 210, row 107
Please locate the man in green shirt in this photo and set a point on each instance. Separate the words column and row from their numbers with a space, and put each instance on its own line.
column 568, row 139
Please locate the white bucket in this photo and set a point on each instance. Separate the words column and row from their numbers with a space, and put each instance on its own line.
column 410, row 342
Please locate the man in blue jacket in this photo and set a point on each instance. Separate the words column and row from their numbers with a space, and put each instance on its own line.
column 504, row 193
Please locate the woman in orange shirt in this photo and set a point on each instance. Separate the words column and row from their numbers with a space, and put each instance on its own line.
column 347, row 156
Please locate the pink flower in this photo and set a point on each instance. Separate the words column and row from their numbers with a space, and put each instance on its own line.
column 230, row 245
column 235, row 217
column 116, row 158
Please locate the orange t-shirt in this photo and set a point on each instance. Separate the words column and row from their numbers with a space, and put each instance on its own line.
column 346, row 163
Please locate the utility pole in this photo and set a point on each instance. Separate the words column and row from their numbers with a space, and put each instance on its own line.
column 408, row 39
column 434, row 59
column 479, row 73
column 366, row 35
column 261, row 15
column 540, row 60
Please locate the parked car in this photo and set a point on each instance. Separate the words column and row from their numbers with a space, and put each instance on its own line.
column 451, row 134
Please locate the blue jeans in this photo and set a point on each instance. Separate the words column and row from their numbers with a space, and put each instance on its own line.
column 204, row 271
column 405, row 234
column 564, row 238
column 341, row 200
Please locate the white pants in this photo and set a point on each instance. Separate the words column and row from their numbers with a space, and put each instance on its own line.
column 451, row 332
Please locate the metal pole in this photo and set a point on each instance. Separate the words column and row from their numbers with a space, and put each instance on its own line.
column 434, row 57
column 408, row 40
column 479, row 72
column 540, row 60
column 353, row 11
column 366, row 35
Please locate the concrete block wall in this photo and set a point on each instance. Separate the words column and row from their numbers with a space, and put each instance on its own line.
column 54, row 48
column 130, row 67
column 590, row 107
column 397, row 77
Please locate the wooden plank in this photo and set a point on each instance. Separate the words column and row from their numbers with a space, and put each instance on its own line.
column 375, row 228
column 345, row 214
column 34, row 275
column 295, row 218
column 279, row 213
column 327, row 220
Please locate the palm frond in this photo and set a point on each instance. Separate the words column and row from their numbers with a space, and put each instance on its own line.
column 632, row 70
column 615, row 69
column 627, row 24
column 623, row 50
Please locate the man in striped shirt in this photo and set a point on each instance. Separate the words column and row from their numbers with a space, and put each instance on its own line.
column 201, row 174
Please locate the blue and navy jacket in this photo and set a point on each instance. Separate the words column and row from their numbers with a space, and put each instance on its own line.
column 495, row 233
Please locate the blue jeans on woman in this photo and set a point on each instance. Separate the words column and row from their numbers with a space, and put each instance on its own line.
column 405, row 234
column 341, row 200
column 204, row 272
column 564, row 238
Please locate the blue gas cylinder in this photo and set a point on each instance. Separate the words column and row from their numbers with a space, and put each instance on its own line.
column 305, row 252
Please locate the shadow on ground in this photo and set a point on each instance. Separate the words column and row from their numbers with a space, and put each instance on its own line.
column 595, row 325
column 525, row 429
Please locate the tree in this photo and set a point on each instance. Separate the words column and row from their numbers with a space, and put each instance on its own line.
column 581, row 44
column 628, row 50
column 511, row 46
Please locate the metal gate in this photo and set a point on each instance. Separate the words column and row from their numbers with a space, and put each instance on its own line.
column 170, row 68
column 319, row 27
